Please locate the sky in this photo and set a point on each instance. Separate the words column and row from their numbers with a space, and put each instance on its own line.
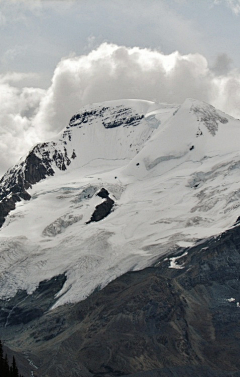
column 57, row 56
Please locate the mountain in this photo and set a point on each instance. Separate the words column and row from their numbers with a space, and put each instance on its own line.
column 118, row 237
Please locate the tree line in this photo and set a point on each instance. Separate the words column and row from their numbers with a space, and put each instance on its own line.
column 7, row 369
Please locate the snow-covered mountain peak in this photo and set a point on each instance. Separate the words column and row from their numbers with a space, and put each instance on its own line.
column 195, row 131
column 110, row 131
column 126, row 181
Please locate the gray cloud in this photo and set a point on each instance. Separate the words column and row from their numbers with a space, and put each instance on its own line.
column 223, row 64
column 109, row 72
column 234, row 5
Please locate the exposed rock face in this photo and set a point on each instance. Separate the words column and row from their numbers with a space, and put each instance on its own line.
column 24, row 308
column 103, row 209
column 7, row 204
column 179, row 318
column 103, row 193
column 40, row 163
column 110, row 117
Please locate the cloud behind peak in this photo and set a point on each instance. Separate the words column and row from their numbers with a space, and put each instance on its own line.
column 110, row 72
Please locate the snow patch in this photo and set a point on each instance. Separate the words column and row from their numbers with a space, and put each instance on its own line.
column 174, row 261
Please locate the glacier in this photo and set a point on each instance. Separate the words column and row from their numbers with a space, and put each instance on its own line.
column 171, row 170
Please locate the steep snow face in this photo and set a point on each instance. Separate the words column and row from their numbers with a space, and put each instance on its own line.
column 113, row 131
column 196, row 131
column 171, row 174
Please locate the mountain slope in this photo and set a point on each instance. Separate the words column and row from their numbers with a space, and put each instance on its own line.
column 178, row 318
column 90, row 142
column 171, row 174
column 119, row 244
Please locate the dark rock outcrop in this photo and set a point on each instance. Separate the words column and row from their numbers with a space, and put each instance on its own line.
column 111, row 117
column 103, row 193
column 39, row 164
column 7, row 204
column 24, row 308
column 102, row 210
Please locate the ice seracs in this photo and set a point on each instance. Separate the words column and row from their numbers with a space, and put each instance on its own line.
column 172, row 172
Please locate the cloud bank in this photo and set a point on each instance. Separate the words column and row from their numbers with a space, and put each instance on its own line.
column 109, row 72
column 17, row 110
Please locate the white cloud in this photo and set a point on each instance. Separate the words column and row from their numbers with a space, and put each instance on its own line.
column 109, row 72
column 17, row 108
column 114, row 72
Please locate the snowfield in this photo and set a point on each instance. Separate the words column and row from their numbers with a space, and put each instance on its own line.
column 172, row 171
